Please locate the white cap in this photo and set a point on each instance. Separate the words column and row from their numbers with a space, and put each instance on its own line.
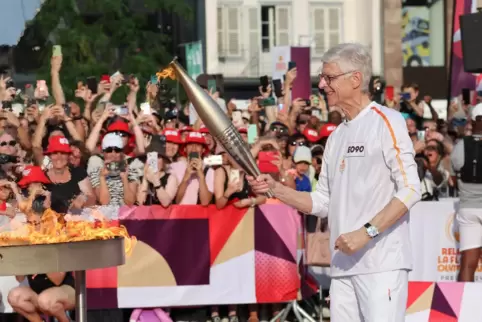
column 476, row 111
column 112, row 140
column 302, row 154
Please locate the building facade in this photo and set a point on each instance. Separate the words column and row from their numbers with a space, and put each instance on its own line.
column 409, row 39
column 240, row 33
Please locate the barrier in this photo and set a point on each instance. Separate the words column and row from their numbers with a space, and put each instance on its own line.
column 193, row 255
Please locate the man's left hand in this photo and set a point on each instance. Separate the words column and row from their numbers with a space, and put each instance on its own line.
column 352, row 242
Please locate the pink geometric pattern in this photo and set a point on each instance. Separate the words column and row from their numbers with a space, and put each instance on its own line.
column 453, row 294
column 276, row 278
column 278, row 216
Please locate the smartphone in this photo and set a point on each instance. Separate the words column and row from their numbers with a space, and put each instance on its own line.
column 252, row 133
column 466, row 95
column 121, row 110
column 264, row 82
column 389, row 93
column 421, row 135
column 154, row 80
column 29, row 92
column 234, row 175
column 41, row 85
column 308, row 102
column 193, row 155
column 237, row 117
column 105, row 78
column 277, row 88
column 315, row 101
column 406, row 96
column 213, row 160
column 212, row 85
column 113, row 168
column 57, row 51
column 67, row 109
column 265, row 163
column 291, row 65
column 316, row 112
column 270, row 101
column 146, row 108
column 152, row 161
column 92, row 84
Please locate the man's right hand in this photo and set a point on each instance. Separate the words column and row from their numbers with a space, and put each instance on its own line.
column 262, row 184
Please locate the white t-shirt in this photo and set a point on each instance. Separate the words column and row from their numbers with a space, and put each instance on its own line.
column 368, row 161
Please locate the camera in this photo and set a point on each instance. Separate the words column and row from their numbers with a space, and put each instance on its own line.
column 38, row 204
column 6, row 158
column 376, row 88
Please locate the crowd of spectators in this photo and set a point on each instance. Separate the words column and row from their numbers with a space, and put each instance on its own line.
column 91, row 152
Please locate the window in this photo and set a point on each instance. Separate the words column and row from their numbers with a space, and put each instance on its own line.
column 229, row 32
column 326, row 26
column 423, row 33
column 275, row 26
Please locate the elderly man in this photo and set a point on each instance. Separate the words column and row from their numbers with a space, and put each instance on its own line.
column 368, row 182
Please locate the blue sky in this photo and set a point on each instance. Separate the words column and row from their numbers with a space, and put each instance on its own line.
column 13, row 15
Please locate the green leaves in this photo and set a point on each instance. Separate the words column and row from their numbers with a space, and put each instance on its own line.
column 103, row 36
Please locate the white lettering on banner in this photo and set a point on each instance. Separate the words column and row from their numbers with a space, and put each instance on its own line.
column 435, row 242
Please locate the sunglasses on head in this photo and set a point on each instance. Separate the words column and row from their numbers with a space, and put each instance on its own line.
column 121, row 134
column 112, row 149
column 278, row 129
column 11, row 143
column 298, row 143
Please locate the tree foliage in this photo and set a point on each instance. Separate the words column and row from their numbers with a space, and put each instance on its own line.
column 102, row 36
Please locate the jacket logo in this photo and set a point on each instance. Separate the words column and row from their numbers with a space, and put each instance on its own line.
column 355, row 150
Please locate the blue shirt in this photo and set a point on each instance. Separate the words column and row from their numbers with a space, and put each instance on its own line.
column 303, row 184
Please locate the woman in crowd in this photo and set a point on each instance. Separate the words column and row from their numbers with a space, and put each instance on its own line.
column 173, row 140
column 294, row 141
column 115, row 183
column 157, row 187
column 70, row 187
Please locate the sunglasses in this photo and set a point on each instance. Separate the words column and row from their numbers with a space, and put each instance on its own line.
column 11, row 143
column 121, row 134
column 112, row 149
column 278, row 129
column 298, row 143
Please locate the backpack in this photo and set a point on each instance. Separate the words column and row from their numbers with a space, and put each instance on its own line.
column 149, row 315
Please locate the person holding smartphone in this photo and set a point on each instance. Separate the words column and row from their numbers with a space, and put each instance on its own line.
column 195, row 182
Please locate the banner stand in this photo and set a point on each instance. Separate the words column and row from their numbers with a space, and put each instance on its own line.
column 297, row 310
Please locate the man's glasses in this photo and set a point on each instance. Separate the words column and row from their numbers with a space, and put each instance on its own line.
column 329, row 78
column 112, row 149
column 298, row 143
column 11, row 143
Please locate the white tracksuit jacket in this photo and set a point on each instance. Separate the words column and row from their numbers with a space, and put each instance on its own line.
column 368, row 161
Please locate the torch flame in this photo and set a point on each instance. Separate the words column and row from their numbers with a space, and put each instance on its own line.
column 56, row 228
column 167, row 72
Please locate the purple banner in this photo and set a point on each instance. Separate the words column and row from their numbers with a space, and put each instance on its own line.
column 459, row 78
column 302, row 83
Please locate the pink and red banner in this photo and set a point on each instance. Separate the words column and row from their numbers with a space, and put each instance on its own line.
column 194, row 255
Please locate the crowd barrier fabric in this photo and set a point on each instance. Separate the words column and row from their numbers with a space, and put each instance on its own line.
column 194, row 255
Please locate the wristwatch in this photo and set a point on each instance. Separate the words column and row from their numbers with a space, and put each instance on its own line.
column 372, row 231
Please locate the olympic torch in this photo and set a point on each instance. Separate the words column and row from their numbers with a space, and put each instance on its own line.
column 215, row 119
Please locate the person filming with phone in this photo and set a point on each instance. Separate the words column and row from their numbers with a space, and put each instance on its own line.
column 367, row 185
column 195, row 182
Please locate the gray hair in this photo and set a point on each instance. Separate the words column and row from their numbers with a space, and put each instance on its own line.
column 351, row 57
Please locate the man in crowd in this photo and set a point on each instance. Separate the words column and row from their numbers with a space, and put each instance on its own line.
column 467, row 172
column 368, row 182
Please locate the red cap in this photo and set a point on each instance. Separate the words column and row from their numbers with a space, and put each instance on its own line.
column 185, row 128
column 204, row 129
column 119, row 126
column 172, row 136
column 58, row 143
column 326, row 130
column 194, row 137
column 311, row 135
column 32, row 174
